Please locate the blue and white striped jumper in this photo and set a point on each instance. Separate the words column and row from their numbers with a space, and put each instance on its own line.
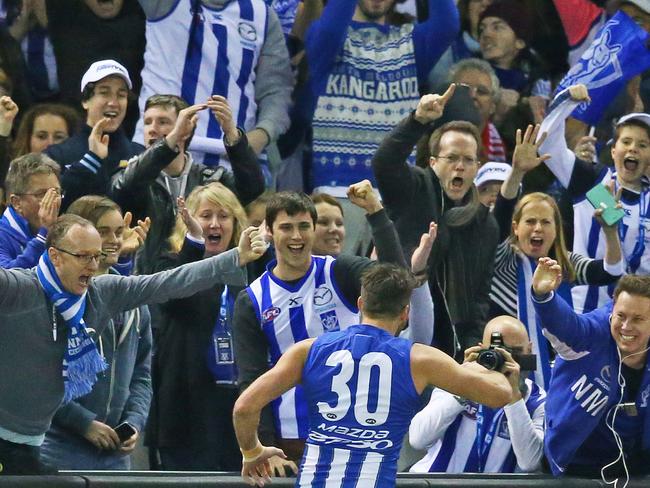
column 361, row 398
column 225, row 48
column 478, row 439
column 291, row 312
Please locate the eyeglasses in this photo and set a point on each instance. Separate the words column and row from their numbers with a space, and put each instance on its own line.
column 480, row 90
column 455, row 159
column 84, row 258
column 41, row 193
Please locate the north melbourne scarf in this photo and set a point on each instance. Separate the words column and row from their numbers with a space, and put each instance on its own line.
column 81, row 361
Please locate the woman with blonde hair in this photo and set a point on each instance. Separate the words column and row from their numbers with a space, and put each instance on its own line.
column 195, row 384
column 531, row 228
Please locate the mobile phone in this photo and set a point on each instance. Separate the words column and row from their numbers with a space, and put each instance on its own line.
column 600, row 197
column 125, row 431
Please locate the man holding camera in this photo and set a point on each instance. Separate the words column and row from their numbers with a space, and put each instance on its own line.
column 598, row 400
column 462, row 436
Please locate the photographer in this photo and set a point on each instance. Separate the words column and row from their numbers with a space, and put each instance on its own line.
column 462, row 436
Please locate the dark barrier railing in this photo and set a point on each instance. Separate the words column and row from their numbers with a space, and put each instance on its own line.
column 138, row 479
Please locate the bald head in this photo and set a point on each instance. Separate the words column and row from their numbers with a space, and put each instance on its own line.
column 513, row 331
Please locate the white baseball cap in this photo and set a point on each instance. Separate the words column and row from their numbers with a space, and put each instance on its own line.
column 642, row 4
column 492, row 172
column 101, row 69
column 640, row 116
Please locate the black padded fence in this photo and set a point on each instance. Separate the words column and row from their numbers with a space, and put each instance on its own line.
column 137, row 479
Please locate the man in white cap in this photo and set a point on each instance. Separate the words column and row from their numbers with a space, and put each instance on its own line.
column 90, row 157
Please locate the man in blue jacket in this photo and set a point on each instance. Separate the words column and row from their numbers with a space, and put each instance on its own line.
column 34, row 199
column 601, row 380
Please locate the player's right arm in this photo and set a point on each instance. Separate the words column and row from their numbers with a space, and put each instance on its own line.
column 431, row 367
column 286, row 374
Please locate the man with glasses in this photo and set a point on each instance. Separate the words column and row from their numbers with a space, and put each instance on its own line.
column 34, row 192
column 484, row 89
column 47, row 357
column 460, row 267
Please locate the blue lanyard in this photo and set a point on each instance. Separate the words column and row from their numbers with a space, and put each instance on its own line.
column 483, row 444
column 223, row 307
column 634, row 259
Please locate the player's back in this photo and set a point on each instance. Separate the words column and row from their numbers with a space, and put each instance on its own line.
column 361, row 398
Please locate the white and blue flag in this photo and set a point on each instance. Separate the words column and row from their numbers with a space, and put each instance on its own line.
column 618, row 53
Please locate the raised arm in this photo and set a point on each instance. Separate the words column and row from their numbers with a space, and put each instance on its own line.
column 570, row 334
column 248, row 179
column 286, row 374
column 573, row 174
column 431, row 367
column 432, row 37
column 395, row 178
column 127, row 292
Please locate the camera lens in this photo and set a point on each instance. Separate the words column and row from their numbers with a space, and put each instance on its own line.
column 491, row 359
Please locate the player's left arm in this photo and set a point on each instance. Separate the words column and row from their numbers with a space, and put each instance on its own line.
column 286, row 374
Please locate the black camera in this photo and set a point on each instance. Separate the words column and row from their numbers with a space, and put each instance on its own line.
column 492, row 359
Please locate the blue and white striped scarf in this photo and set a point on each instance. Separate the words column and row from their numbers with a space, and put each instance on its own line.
column 81, row 362
column 16, row 224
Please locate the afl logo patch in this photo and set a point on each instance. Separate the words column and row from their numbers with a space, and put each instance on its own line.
column 269, row 314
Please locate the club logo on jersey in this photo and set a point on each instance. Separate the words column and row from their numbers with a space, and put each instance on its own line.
column 247, row 31
column 329, row 321
column 322, row 296
column 270, row 314
column 503, row 431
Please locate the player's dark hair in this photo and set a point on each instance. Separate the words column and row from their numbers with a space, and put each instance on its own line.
column 385, row 290
column 292, row 203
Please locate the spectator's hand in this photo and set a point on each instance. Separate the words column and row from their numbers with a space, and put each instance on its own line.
column 471, row 353
column 193, row 226
column 133, row 237
column 421, row 254
column 49, row 208
column 579, row 93
column 525, row 156
column 363, row 196
column 8, row 112
column 223, row 113
column 97, row 140
column 258, row 139
column 185, row 124
column 598, row 213
column 258, row 471
column 547, row 277
column 586, row 148
column 251, row 245
column 128, row 445
column 280, row 466
column 512, row 371
column 102, row 436
column 430, row 107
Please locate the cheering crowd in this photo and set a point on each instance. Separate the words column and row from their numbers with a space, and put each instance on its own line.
column 203, row 198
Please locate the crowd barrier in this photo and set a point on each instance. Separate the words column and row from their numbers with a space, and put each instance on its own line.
column 151, row 479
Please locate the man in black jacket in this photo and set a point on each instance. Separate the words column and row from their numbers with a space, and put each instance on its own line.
column 462, row 258
column 104, row 95
column 150, row 184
